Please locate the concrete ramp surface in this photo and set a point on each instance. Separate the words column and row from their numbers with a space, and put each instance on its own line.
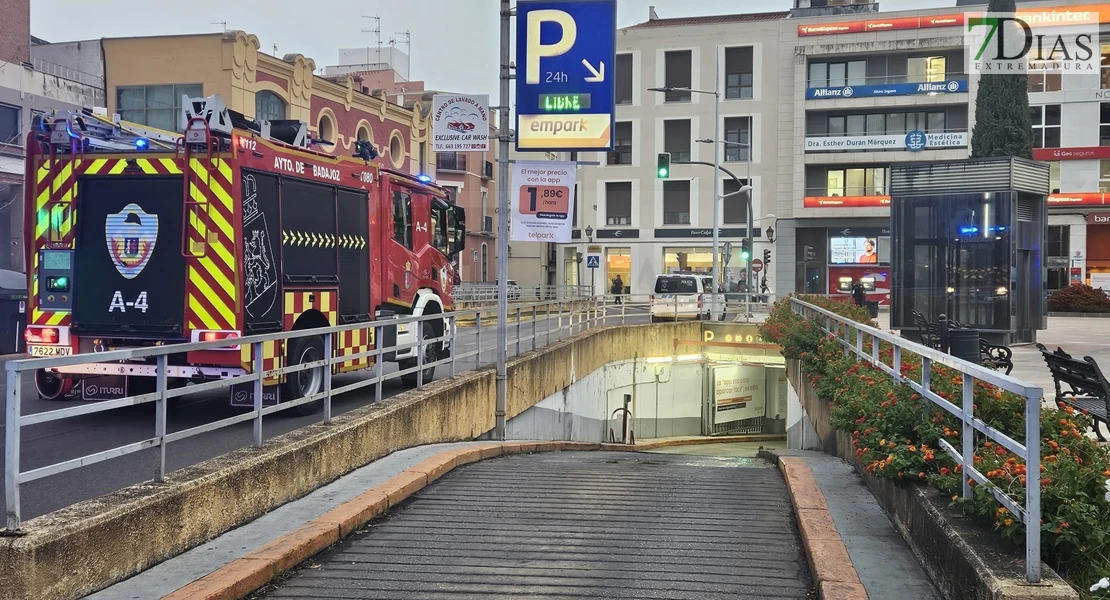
column 576, row 525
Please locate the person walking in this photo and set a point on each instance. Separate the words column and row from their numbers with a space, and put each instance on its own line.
column 858, row 294
column 618, row 288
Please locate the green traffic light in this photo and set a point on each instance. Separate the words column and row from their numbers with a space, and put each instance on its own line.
column 662, row 172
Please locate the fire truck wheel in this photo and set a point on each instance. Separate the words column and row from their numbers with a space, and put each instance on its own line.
column 305, row 383
column 431, row 354
column 52, row 387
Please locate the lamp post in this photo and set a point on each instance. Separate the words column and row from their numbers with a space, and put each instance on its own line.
column 716, row 172
column 745, row 187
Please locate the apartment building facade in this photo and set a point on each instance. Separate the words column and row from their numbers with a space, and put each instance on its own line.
column 642, row 225
column 828, row 100
column 866, row 91
column 1065, row 111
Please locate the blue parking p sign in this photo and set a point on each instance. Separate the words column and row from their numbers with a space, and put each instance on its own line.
column 566, row 74
column 593, row 261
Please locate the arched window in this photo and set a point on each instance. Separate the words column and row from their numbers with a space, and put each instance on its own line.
column 268, row 106
column 485, row 263
column 326, row 129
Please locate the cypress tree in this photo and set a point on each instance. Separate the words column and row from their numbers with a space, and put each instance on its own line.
column 1003, row 126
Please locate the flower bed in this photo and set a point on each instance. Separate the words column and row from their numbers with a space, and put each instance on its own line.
column 896, row 435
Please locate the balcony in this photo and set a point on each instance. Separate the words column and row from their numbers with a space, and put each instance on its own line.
column 487, row 170
column 451, row 161
column 487, row 225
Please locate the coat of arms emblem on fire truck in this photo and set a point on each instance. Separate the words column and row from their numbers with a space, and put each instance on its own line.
column 131, row 234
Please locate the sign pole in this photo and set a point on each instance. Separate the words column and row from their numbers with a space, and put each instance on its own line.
column 503, row 135
column 714, row 315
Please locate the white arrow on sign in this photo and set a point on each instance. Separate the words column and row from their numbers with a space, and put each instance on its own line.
column 598, row 75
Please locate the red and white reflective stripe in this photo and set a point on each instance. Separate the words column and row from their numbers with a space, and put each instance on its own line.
column 43, row 334
column 213, row 335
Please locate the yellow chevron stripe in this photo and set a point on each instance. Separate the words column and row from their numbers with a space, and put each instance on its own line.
column 206, row 320
column 56, row 318
column 225, row 170
column 170, row 165
column 144, row 164
column 204, row 288
column 96, row 166
column 118, row 167
column 213, row 184
column 214, row 270
column 226, row 259
column 43, row 171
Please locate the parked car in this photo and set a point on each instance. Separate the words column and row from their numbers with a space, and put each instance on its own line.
column 512, row 289
column 681, row 296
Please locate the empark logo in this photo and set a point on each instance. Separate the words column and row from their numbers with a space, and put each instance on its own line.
column 1008, row 43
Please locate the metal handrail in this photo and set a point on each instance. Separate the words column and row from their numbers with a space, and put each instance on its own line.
column 851, row 333
column 563, row 319
column 571, row 318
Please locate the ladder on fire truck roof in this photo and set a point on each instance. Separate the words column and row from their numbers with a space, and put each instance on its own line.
column 222, row 121
column 103, row 133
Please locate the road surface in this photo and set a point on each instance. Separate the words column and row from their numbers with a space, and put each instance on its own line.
column 54, row 442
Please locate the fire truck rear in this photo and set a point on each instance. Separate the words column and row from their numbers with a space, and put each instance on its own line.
column 140, row 237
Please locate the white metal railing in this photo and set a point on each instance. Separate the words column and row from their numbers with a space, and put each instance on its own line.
column 851, row 335
column 487, row 292
column 471, row 335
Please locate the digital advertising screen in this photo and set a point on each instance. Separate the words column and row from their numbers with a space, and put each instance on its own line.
column 853, row 251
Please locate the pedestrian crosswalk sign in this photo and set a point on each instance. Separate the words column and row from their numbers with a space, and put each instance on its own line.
column 593, row 261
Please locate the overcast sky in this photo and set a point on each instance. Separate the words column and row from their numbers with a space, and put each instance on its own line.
column 454, row 42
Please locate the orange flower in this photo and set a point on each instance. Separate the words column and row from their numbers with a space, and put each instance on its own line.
column 1008, row 522
column 1045, row 481
column 944, row 471
column 921, row 475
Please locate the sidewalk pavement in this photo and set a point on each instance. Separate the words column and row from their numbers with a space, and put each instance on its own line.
column 885, row 564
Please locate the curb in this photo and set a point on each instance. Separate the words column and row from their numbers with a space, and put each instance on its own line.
column 834, row 575
column 244, row 575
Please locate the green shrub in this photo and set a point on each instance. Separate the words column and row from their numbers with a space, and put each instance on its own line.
column 1080, row 299
column 897, row 435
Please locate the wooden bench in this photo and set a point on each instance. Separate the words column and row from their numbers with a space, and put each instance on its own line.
column 1088, row 389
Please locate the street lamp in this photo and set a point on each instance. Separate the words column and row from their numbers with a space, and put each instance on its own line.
column 716, row 172
column 590, row 233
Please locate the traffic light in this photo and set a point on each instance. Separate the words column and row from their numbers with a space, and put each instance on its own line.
column 663, row 165
column 745, row 250
column 809, row 255
column 767, row 256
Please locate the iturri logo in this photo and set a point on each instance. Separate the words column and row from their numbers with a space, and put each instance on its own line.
column 1048, row 41
column 131, row 234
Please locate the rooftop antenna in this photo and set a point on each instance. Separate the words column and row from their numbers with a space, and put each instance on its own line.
column 275, row 49
column 377, row 31
column 220, row 23
column 408, row 51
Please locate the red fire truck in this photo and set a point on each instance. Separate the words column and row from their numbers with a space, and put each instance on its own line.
column 140, row 237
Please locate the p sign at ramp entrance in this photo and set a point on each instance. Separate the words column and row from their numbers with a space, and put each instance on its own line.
column 566, row 79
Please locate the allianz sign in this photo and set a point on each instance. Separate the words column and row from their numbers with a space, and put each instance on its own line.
column 890, row 89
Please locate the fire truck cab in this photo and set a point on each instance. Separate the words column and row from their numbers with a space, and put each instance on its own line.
column 141, row 237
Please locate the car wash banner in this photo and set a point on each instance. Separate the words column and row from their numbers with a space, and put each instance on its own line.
column 460, row 123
